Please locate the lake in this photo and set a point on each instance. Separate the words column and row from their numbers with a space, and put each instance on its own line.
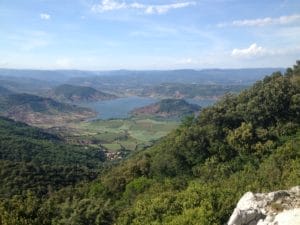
column 120, row 108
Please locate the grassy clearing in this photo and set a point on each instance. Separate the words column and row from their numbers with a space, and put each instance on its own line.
column 117, row 134
column 113, row 147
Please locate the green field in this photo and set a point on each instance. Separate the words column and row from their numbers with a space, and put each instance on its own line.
column 120, row 134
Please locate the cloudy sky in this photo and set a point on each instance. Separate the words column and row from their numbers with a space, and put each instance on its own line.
column 148, row 34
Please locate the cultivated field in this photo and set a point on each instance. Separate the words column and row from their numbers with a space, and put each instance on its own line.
column 120, row 134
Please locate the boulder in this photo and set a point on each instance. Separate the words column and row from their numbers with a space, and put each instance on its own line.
column 275, row 208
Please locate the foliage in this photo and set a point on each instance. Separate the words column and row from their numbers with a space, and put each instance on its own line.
column 22, row 143
column 31, row 159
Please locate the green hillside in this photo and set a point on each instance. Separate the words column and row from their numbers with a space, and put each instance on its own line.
column 31, row 159
column 38, row 110
column 73, row 93
column 245, row 142
column 168, row 108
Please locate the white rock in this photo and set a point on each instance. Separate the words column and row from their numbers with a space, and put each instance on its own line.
column 289, row 217
column 266, row 209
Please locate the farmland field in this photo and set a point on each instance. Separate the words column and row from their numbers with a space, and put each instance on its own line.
column 120, row 134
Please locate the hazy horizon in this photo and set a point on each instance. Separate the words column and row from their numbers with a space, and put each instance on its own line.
column 141, row 70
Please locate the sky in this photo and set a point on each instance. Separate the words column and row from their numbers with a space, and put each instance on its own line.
column 152, row 34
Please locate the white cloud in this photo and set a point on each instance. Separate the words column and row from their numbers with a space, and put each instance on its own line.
column 111, row 5
column 108, row 5
column 251, row 51
column 282, row 20
column 45, row 16
column 161, row 9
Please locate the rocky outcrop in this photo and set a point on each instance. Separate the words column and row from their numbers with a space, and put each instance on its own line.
column 275, row 208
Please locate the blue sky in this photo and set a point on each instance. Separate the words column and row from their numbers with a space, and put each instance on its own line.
column 140, row 34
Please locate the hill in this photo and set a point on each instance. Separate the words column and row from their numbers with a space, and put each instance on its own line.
column 245, row 142
column 26, row 84
column 73, row 93
column 41, row 111
column 31, row 159
column 168, row 108
column 4, row 91
column 197, row 91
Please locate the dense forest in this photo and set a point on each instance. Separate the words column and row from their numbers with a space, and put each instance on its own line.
column 195, row 175
column 36, row 161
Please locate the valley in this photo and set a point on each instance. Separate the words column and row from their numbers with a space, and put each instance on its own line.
column 119, row 129
column 140, row 160
column 126, row 135
column 106, row 113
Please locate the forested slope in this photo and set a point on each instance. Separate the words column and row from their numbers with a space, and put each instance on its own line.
column 245, row 142
column 31, row 159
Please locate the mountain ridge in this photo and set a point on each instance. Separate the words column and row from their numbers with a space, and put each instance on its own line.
column 72, row 93
column 38, row 110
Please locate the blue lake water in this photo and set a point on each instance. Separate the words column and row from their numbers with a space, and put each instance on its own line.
column 120, row 108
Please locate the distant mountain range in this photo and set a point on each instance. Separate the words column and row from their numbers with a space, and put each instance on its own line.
column 5, row 91
column 127, row 82
column 180, row 90
column 154, row 76
column 126, row 78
